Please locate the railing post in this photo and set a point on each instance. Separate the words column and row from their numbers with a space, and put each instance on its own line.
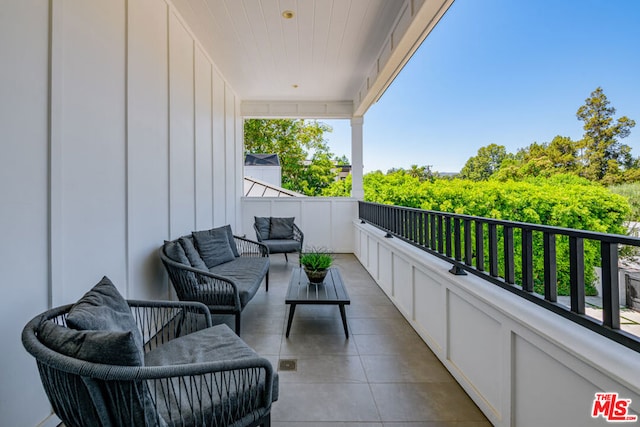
column 493, row 250
column 550, row 268
column 468, row 249
column 432, row 220
column 576, row 273
column 509, row 267
column 610, row 292
column 447, row 233
column 527, row 260
column 479, row 245
column 440, row 235
column 457, row 238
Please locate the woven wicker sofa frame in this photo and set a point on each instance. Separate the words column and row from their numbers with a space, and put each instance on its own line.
column 219, row 293
column 181, row 391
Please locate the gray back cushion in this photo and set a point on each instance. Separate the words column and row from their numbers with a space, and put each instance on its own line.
column 106, row 347
column 232, row 241
column 104, row 309
column 281, row 228
column 174, row 250
column 262, row 224
column 213, row 246
column 190, row 250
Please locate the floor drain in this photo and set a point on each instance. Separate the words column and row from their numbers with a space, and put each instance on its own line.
column 287, row 365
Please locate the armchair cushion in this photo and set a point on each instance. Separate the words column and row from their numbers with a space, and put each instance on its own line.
column 281, row 228
column 263, row 224
column 213, row 246
column 192, row 253
column 218, row 343
column 277, row 246
column 102, row 308
column 109, row 348
column 206, row 345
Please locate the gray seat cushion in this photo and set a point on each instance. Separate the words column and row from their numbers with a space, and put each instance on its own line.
column 279, row 246
column 206, row 345
column 218, row 343
column 246, row 272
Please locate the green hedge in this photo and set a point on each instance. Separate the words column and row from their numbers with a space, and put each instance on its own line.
column 562, row 200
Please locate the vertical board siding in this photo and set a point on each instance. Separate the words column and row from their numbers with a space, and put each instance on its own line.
column 203, row 153
column 24, row 183
column 92, row 159
column 117, row 124
column 144, row 141
column 147, row 146
column 219, row 167
column 181, row 130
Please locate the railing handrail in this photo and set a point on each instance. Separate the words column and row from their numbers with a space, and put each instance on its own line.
column 585, row 234
column 446, row 235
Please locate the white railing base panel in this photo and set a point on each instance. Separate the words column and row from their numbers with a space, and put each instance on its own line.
column 521, row 364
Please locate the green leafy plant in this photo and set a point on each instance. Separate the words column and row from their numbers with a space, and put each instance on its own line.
column 316, row 259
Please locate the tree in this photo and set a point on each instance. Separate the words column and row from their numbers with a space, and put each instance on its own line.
column 557, row 157
column 485, row 163
column 603, row 154
column 305, row 157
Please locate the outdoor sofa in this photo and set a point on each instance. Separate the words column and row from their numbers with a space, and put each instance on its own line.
column 216, row 268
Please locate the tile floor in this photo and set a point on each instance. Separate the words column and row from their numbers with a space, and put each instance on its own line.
column 383, row 375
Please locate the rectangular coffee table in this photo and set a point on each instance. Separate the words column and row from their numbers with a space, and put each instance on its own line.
column 330, row 292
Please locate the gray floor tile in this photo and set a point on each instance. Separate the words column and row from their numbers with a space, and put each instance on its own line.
column 326, row 369
column 424, row 402
column 377, row 326
column 323, row 424
column 325, row 402
column 407, row 368
column 301, row 344
column 384, row 375
column 440, row 424
column 408, row 342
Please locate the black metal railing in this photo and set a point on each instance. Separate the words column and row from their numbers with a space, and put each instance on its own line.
column 485, row 247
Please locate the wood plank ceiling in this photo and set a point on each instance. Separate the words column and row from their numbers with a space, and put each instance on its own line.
column 324, row 53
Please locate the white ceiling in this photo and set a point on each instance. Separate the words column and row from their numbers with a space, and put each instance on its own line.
column 330, row 51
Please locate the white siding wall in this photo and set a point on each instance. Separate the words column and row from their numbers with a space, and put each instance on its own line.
column 521, row 364
column 24, row 255
column 325, row 221
column 136, row 139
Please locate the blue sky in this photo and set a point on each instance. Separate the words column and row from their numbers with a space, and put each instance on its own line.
column 508, row 72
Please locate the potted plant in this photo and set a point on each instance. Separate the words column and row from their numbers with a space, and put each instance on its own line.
column 315, row 263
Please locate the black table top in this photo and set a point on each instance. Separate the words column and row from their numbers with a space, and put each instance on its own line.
column 331, row 291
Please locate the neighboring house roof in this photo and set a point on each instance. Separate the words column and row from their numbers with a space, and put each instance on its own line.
column 256, row 188
column 261, row 160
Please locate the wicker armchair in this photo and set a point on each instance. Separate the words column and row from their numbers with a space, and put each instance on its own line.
column 292, row 243
column 220, row 289
column 214, row 393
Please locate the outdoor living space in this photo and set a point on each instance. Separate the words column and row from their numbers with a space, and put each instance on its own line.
column 382, row 375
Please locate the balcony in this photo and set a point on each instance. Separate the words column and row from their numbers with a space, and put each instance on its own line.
column 511, row 355
column 384, row 373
